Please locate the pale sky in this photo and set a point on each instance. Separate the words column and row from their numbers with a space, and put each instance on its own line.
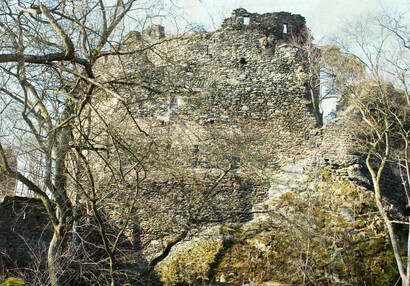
column 323, row 17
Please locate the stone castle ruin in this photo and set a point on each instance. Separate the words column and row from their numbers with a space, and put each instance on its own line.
column 240, row 79
column 232, row 99
column 278, row 27
column 235, row 99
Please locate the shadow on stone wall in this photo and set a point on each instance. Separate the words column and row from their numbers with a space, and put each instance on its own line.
column 24, row 229
column 25, row 233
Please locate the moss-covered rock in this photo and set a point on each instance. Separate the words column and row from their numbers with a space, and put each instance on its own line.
column 327, row 232
column 189, row 265
column 11, row 281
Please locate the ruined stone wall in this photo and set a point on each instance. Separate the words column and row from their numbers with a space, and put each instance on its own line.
column 233, row 98
column 338, row 145
column 24, row 232
column 280, row 26
column 209, row 100
column 237, row 84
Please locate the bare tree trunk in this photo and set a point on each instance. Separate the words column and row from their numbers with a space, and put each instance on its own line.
column 393, row 240
column 315, row 106
column 379, row 202
column 53, row 260
column 408, row 255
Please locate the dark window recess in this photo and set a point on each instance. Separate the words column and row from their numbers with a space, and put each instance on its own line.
column 242, row 61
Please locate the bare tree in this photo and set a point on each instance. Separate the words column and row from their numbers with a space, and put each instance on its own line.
column 47, row 64
column 92, row 151
column 371, row 74
column 310, row 58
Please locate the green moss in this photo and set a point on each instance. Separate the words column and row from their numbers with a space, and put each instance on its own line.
column 333, row 225
column 243, row 263
column 329, row 229
column 190, row 265
column 11, row 281
column 343, row 173
column 325, row 173
column 231, row 230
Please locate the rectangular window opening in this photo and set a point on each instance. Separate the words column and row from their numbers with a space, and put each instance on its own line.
column 285, row 28
column 246, row 21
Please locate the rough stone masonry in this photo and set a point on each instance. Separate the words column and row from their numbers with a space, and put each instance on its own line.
column 241, row 79
column 234, row 97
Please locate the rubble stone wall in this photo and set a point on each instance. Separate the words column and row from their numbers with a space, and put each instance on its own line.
column 233, row 97
column 236, row 82
column 24, row 232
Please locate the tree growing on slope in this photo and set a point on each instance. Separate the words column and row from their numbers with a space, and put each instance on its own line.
column 370, row 71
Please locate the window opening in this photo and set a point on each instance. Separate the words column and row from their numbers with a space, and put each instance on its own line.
column 242, row 61
column 246, row 21
column 285, row 28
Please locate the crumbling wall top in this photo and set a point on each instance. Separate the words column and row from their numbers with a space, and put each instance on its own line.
column 154, row 32
column 279, row 25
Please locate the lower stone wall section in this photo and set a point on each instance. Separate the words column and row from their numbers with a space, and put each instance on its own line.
column 24, row 232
